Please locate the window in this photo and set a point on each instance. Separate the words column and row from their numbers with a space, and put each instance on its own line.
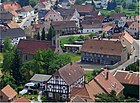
column 1, row 97
column 51, row 95
column 64, row 88
column 26, row 57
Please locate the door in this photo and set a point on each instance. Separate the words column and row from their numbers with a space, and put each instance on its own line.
column 57, row 96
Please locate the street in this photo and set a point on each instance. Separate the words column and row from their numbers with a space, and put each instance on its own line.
column 132, row 59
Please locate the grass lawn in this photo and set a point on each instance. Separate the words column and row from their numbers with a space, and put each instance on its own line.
column 126, row 11
column 66, row 40
column 74, row 57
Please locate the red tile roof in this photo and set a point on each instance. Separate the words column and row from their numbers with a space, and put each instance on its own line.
column 88, row 91
column 11, row 7
column 116, row 36
column 105, row 47
column 31, row 46
column 125, row 77
column 70, row 73
column 83, row 8
column 81, row 92
column 9, row 92
column 106, row 80
column 128, row 37
column 21, row 100
column 117, row 15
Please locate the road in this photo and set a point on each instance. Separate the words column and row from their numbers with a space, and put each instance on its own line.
column 27, row 21
column 132, row 59
column 72, row 35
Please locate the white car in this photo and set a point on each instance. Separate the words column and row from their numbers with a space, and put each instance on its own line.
column 24, row 91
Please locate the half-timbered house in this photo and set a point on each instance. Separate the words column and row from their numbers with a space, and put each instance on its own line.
column 59, row 86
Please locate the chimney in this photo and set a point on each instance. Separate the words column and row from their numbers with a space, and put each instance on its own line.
column 106, row 75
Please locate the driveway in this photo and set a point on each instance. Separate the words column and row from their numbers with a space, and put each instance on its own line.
column 90, row 67
column 132, row 59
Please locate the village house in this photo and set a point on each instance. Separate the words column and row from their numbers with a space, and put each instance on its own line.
column 28, row 48
column 118, row 18
column 7, row 94
column 53, row 15
column 11, row 7
column 59, row 86
column 128, row 40
column 5, row 17
column 41, row 14
column 108, row 83
column 111, row 28
column 25, row 11
column 86, row 93
column 42, row 5
column 15, row 34
column 39, row 80
column 32, row 30
column 130, row 80
column 104, row 82
column 83, row 9
column 91, row 26
column 107, row 53
column 69, row 14
column 12, row 24
column 65, row 27
column 133, row 28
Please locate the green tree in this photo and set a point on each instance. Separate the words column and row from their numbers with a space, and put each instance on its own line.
column 43, row 35
column 45, row 62
column 7, row 45
column 8, row 55
column 27, row 71
column 71, row 39
column 133, row 67
column 124, row 5
column 91, row 35
column 79, row 2
column 7, row 79
column 51, row 33
column 104, row 97
column 117, row 9
column 15, row 67
column 81, row 37
column 87, row 37
column 38, row 36
column 90, row 75
column 33, row 2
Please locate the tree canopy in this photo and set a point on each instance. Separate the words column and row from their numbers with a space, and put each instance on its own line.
column 104, row 97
